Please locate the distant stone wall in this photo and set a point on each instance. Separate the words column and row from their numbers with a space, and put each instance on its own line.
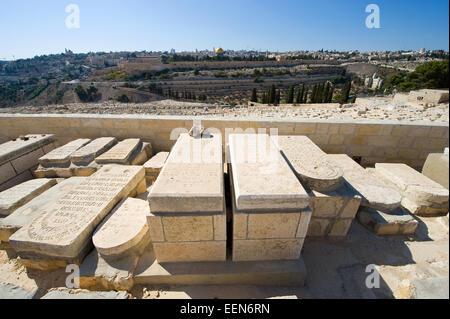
column 371, row 141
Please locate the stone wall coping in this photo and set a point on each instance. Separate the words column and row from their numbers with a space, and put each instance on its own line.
column 225, row 119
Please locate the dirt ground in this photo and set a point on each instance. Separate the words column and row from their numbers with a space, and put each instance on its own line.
column 368, row 109
column 336, row 269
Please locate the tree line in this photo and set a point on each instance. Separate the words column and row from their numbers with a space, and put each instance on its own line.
column 318, row 93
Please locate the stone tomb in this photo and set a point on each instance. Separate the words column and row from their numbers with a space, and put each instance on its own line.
column 154, row 166
column 61, row 155
column 436, row 168
column 63, row 234
column 88, row 153
column 19, row 158
column 131, row 151
column 37, row 206
column 270, row 206
column 124, row 232
column 13, row 198
column 333, row 204
column 187, row 217
column 81, row 161
column 395, row 222
column 380, row 210
column 311, row 165
column 375, row 193
column 421, row 195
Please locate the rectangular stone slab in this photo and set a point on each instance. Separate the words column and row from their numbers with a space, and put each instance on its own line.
column 37, row 206
column 64, row 233
column 309, row 162
column 412, row 184
column 188, row 184
column 156, row 163
column 397, row 222
column 374, row 192
column 262, row 178
column 121, row 153
column 436, row 168
column 13, row 198
column 61, row 155
column 88, row 153
column 20, row 146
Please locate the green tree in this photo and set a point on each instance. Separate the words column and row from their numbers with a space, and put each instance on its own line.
column 272, row 94
column 123, row 98
column 254, row 97
column 345, row 92
column 196, row 71
column 290, row 95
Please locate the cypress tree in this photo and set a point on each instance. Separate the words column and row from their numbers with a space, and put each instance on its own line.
column 345, row 92
column 254, row 96
column 300, row 94
column 290, row 95
column 305, row 97
column 272, row 94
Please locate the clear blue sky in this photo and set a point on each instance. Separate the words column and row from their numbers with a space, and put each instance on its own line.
column 30, row 27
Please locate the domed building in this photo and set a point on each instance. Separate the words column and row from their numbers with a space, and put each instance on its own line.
column 219, row 51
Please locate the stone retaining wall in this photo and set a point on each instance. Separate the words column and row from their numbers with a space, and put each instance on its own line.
column 372, row 141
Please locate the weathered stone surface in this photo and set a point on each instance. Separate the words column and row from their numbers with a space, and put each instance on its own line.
column 64, row 233
column 13, row 149
column 420, row 194
column 374, row 192
column 61, row 155
column 121, row 153
column 192, row 178
column 309, row 162
column 141, row 154
column 262, row 178
column 430, row 288
column 124, row 231
column 397, row 222
column 66, row 172
column 37, row 206
column 73, row 294
column 190, row 251
column 154, row 166
column 99, row 272
column 21, row 194
column 436, row 168
column 9, row 291
column 150, row 271
column 88, row 153
column 267, row 249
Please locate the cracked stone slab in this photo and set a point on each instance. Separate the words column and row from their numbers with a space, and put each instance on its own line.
column 64, row 233
column 19, row 195
column 61, row 155
column 374, row 192
column 421, row 195
column 310, row 163
column 124, row 231
column 120, row 153
column 20, row 146
column 37, row 206
column 88, row 153
column 397, row 222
